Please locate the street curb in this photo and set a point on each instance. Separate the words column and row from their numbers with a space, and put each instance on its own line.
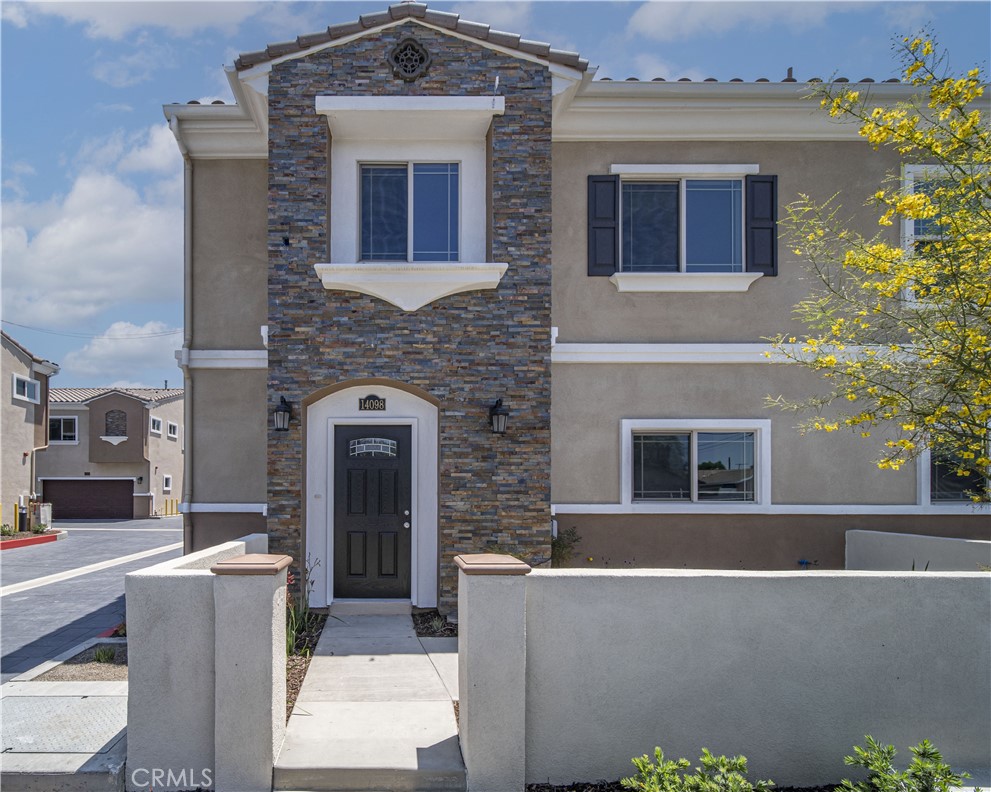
column 27, row 541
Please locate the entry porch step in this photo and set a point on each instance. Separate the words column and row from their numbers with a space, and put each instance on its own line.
column 370, row 607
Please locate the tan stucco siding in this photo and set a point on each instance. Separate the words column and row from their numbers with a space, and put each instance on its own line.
column 590, row 309
column 22, row 426
column 134, row 448
column 589, row 402
column 165, row 454
column 69, row 459
column 229, row 424
column 230, row 257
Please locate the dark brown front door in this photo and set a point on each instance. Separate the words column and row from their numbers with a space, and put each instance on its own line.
column 372, row 511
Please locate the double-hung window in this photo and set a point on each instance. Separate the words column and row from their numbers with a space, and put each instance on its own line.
column 410, row 212
column 26, row 389
column 947, row 485
column 173, row 430
column 682, row 225
column 62, row 429
column 156, row 425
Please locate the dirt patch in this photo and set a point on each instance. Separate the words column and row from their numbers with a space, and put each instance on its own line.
column 84, row 667
column 299, row 661
column 430, row 624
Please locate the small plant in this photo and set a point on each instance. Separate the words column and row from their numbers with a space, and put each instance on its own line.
column 927, row 772
column 716, row 774
column 40, row 528
column 438, row 623
column 563, row 546
column 7, row 530
column 104, row 654
column 298, row 616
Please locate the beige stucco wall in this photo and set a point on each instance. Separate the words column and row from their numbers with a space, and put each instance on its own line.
column 590, row 400
column 590, row 309
column 230, row 418
column 24, row 428
column 230, row 254
column 132, row 450
column 165, row 455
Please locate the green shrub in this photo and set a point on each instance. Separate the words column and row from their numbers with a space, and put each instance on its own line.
column 716, row 774
column 39, row 528
column 563, row 546
column 927, row 772
column 7, row 530
column 104, row 654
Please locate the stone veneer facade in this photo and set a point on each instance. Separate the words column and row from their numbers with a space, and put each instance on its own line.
column 465, row 350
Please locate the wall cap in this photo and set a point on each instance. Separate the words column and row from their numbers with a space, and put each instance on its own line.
column 491, row 564
column 252, row 564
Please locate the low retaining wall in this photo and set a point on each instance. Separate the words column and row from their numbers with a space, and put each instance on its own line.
column 206, row 658
column 791, row 669
column 903, row 552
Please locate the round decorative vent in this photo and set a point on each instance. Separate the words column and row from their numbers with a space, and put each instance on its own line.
column 409, row 60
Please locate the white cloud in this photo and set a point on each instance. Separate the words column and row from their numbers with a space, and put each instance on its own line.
column 125, row 355
column 156, row 152
column 71, row 257
column 136, row 66
column 114, row 107
column 114, row 20
column 661, row 20
column 650, row 66
column 512, row 17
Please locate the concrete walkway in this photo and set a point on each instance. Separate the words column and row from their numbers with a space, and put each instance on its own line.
column 375, row 712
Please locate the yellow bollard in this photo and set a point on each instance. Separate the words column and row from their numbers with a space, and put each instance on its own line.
column 17, row 518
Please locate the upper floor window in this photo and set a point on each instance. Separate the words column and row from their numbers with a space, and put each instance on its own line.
column 166, row 484
column 27, row 389
column 173, row 431
column 62, row 429
column 950, row 482
column 409, row 212
column 684, row 225
column 156, row 425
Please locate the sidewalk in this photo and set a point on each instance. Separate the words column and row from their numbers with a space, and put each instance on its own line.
column 375, row 711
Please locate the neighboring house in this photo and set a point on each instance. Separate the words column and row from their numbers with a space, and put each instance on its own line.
column 410, row 217
column 113, row 453
column 25, row 423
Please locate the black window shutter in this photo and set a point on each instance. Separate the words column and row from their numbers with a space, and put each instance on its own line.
column 603, row 225
column 762, row 224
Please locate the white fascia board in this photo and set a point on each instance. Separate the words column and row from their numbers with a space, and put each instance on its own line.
column 224, row 508
column 405, row 118
column 981, row 510
column 608, row 110
column 216, row 132
column 45, row 368
column 226, row 358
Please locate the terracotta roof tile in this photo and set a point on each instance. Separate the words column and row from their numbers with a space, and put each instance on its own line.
column 79, row 395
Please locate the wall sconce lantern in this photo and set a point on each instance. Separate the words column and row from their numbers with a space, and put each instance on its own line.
column 282, row 415
column 498, row 415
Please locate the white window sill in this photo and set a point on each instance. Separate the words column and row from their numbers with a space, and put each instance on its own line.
column 63, row 442
column 113, row 439
column 410, row 285
column 683, row 281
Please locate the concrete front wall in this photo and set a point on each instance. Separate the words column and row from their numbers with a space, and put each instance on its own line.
column 464, row 350
column 587, row 309
column 135, row 448
column 743, row 541
column 25, row 428
column 817, row 468
column 789, row 669
column 165, row 455
column 893, row 551
column 230, row 260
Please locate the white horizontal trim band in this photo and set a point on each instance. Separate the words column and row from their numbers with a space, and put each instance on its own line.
column 228, row 358
column 660, row 353
column 705, row 282
column 224, row 508
column 88, row 478
column 683, row 170
column 978, row 510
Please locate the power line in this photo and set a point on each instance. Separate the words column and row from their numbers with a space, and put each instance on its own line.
column 98, row 335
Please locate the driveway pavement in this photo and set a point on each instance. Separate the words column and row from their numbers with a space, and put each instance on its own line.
column 58, row 594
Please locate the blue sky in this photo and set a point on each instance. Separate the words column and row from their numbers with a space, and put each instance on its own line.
column 92, row 179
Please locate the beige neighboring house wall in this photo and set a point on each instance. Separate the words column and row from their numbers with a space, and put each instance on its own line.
column 24, row 424
column 101, row 452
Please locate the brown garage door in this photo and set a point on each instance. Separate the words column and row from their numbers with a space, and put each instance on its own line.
column 93, row 499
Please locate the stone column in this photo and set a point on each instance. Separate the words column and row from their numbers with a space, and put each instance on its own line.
column 250, row 646
column 492, row 670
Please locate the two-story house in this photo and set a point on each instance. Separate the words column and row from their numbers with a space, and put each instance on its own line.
column 444, row 289
column 24, row 397
column 113, row 453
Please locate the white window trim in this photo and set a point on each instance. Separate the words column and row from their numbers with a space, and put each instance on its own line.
column 151, row 425
column 63, row 418
column 170, row 434
column 761, row 427
column 166, row 484
column 910, row 175
column 31, row 383
column 682, row 281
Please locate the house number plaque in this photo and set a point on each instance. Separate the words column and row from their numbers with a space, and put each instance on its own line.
column 371, row 402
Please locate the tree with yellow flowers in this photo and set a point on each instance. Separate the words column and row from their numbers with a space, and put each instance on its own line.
column 902, row 333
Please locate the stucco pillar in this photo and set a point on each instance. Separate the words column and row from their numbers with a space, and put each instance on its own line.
column 491, row 670
column 250, row 646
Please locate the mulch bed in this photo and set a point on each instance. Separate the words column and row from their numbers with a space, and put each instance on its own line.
column 430, row 624
column 299, row 661
column 27, row 534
